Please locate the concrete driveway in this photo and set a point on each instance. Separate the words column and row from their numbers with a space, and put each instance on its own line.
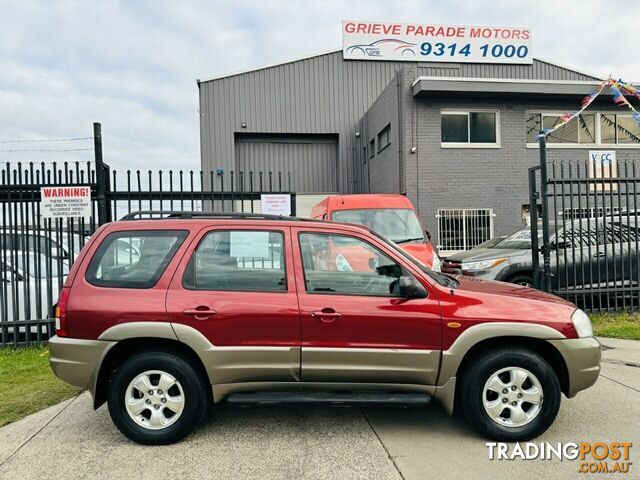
column 70, row 440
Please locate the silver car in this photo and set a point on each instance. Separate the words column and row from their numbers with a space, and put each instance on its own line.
column 584, row 253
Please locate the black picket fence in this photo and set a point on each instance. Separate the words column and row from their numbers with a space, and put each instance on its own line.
column 589, row 252
column 36, row 253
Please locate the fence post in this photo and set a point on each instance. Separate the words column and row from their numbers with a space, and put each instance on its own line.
column 546, row 251
column 533, row 223
column 100, row 179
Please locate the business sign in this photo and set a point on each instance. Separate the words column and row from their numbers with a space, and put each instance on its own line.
column 65, row 202
column 435, row 43
column 275, row 204
column 603, row 164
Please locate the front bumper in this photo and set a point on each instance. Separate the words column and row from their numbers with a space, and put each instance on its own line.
column 582, row 358
column 77, row 361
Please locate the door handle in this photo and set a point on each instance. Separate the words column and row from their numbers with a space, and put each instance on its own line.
column 201, row 312
column 326, row 315
column 599, row 254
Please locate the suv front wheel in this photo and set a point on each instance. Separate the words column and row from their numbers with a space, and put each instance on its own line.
column 510, row 394
column 157, row 398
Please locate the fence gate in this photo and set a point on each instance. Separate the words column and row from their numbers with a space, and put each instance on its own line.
column 37, row 252
column 585, row 246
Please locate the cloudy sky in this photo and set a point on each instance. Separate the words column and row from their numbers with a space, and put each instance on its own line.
column 133, row 65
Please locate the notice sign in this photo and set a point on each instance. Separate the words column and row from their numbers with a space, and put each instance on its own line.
column 65, row 202
column 435, row 43
column 276, row 204
column 602, row 164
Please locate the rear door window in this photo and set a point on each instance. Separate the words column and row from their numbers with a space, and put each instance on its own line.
column 134, row 259
column 238, row 260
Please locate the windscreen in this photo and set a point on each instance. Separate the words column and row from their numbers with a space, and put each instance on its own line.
column 401, row 225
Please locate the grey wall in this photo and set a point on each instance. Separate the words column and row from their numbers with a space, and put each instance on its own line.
column 479, row 177
column 385, row 166
column 322, row 94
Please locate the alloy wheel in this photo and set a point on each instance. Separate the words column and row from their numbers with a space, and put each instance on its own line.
column 154, row 399
column 512, row 397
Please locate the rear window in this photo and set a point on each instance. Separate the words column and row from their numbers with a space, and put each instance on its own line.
column 134, row 259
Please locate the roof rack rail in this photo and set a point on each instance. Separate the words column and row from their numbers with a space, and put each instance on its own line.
column 166, row 214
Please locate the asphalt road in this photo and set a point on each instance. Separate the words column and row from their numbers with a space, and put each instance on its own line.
column 70, row 440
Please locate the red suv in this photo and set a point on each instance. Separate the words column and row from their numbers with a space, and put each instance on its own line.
column 161, row 317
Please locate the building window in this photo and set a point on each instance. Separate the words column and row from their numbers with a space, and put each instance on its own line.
column 372, row 148
column 384, row 138
column 463, row 228
column 470, row 128
column 589, row 129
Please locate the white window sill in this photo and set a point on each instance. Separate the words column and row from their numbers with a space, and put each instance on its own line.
column 587, row 146
column 470, row 145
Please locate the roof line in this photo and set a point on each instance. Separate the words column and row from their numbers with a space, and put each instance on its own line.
column 336, row 50
column 572, row 69
column 508, row 80
column 271, row 65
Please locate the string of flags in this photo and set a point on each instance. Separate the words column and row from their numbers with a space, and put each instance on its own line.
column 619, row 90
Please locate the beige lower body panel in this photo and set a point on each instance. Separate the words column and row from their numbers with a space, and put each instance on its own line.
column 370, row 365
column 77, row 361
column 582, row 358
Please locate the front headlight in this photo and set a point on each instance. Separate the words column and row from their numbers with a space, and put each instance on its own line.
column 582, row 324
column 483, row 265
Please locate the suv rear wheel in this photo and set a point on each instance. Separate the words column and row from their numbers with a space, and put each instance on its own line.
column 510, row 394
column 157, row 398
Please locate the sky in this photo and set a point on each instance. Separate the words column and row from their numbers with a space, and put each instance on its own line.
column 132, row 65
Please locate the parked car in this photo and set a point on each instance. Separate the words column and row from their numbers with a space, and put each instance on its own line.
column 29, row 285
column 393, row 216
column 587, row 253
column 57, row 244
column 182, row 326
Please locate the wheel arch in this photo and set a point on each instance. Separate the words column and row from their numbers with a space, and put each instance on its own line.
column 124, row 349
column 483, row 337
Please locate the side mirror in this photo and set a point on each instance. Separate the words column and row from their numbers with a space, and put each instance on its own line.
column 409, row 287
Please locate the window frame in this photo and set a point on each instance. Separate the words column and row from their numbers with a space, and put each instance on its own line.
column 585, row 146
column 469, row 143
column 250, row 229
column 405, row 271
column 99, row 253
column 385, row 131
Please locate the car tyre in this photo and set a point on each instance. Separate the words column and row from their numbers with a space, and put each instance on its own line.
column 505, row 368
column 165, row 416
column 522, row 280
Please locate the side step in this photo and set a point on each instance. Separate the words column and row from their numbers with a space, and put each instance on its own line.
column 316, row 398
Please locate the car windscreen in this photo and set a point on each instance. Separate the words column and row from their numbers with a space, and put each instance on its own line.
column 519, row 240
column 400, row 225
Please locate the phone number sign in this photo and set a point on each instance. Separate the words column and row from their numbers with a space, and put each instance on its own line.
column 435, row 43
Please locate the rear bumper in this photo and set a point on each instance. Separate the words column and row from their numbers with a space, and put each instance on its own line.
column 582, row 358
column 77, row 361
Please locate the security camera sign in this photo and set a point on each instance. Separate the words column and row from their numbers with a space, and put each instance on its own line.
column 65, row 202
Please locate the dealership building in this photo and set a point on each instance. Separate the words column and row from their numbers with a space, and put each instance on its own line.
column 456, row 136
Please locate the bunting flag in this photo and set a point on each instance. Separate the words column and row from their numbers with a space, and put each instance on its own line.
column 619, row 90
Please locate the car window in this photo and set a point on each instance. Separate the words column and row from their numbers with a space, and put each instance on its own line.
column 397, row 224
column 238, row 260
column 345, row 265
column 134, row 259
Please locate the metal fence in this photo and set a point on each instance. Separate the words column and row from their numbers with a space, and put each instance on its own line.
column 585, row 247
column 36, row 253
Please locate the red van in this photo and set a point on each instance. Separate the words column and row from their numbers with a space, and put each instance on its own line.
column 392, row 216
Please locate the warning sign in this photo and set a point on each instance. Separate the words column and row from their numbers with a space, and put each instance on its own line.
column 65, row 202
